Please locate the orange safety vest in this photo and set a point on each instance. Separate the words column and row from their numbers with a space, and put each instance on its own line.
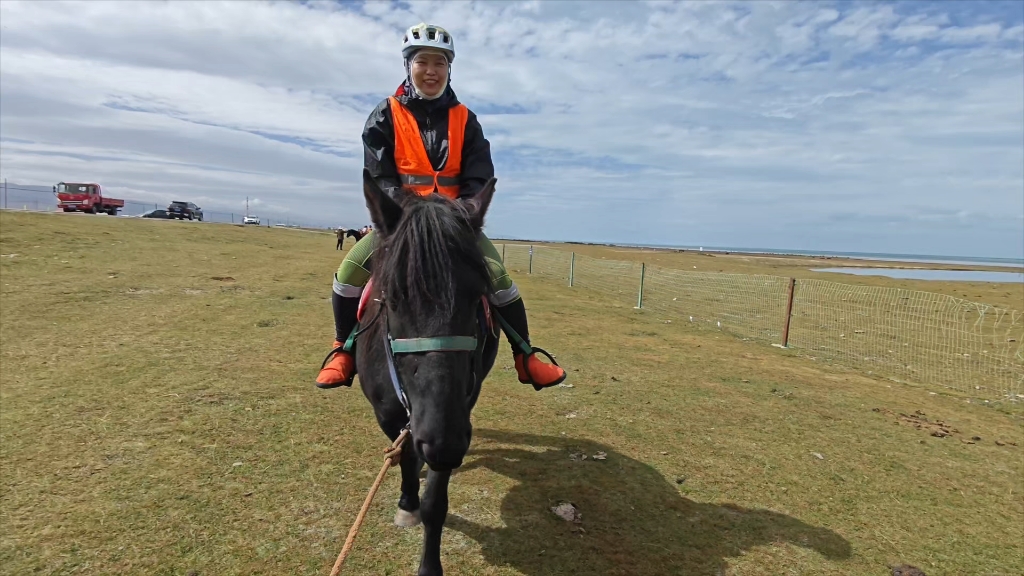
column 414, row 167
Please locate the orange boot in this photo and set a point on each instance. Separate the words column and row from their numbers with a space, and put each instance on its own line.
column 531, row 369
column 339, row 368
column 538, row 372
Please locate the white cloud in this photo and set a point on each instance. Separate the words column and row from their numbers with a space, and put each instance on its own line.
column 866, row 26
column 983, row 32
column 915, row 32
column 732, row 123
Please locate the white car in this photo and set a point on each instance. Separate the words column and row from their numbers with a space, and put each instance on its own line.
column 251, row 220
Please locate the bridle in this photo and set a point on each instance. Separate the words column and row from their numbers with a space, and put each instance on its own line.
column 395, row 346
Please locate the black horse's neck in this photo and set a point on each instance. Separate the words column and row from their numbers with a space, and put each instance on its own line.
column 430, row 259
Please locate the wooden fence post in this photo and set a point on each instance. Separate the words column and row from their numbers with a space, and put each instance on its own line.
column 789, row 313
column 572, row 268
column 502, row 252
column 531, row 260
column 640, row 296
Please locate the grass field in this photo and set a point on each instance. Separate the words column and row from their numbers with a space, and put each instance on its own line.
column 157, row 416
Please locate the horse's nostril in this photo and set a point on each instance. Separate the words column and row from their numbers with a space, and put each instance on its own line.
column 437, row 457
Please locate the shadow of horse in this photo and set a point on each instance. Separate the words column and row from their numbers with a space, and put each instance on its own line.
column 634, row 521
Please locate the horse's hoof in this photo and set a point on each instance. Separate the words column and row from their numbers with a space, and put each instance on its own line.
column 405, row 519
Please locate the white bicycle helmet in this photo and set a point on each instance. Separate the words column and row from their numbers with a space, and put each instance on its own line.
column 425, row 35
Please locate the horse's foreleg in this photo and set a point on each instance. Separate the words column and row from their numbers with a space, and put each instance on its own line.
column 409, row 503
column 433, row 510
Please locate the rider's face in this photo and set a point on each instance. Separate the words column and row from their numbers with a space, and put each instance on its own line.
column 429, row 72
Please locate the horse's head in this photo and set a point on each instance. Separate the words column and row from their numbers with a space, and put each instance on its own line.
column 433, row 275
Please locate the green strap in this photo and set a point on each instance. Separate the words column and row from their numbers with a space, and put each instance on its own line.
column 512, row 333
column 350, row 343
column 456, row 343
column 436, row 344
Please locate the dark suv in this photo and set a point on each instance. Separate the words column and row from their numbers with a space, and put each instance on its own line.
column 182, row 210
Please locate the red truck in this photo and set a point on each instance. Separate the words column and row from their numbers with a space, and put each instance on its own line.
column 75, row 197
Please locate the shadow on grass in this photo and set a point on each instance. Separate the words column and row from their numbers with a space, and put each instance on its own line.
column 634, row 520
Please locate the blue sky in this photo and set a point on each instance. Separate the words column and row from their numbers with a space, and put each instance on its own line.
column 873, row 126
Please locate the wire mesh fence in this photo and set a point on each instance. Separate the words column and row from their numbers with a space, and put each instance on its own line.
column 744, row 305
column 907, row 335
column 912, row 335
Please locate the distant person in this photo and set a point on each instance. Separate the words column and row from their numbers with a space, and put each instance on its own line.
column 341, row 238
column 407, row 141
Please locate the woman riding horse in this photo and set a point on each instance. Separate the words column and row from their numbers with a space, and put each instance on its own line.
column 422, row 138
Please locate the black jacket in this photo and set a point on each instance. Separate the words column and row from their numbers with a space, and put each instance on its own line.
column 432, row 119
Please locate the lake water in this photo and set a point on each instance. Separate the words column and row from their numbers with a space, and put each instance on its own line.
column 954, row 275
column 933, row 259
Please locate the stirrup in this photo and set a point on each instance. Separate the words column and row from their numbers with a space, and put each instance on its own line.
column 324, row 363
column 526, row 367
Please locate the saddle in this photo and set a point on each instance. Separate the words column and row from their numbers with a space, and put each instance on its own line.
column 364, row 298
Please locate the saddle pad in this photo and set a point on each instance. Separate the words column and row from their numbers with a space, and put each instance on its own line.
column 363, row 299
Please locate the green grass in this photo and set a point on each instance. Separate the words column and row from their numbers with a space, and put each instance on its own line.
column 155, row 420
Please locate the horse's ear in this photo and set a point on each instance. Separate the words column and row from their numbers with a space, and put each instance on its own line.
column 384, row 212
column 478, row 204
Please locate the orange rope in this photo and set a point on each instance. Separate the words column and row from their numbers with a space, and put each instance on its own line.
column 392, row 456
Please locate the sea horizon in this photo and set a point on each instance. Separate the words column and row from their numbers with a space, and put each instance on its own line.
column 877, row 256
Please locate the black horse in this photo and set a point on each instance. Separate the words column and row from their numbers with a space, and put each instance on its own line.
column 343, row 233
column 354, row 233
column 426, row 350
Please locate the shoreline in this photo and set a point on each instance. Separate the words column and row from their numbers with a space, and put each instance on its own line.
column 848, row 260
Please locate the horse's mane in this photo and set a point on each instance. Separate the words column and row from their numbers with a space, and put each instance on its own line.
column 432, row 248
